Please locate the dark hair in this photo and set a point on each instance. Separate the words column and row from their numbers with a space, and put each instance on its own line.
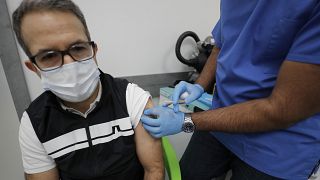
column 38, row 5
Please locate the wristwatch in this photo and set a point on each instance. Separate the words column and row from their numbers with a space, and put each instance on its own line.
column 188, row 125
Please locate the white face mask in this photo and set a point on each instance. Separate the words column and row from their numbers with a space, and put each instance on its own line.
column 73, row 82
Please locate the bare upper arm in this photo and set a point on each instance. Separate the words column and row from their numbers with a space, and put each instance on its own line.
column 149, row 149
column 51, row 174
column 297, row 91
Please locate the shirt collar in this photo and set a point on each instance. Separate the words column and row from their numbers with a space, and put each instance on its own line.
column 91, row 108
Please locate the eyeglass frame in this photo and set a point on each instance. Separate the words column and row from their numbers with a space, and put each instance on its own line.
column 63, row 53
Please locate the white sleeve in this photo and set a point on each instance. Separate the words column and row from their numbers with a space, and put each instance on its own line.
column 136, row 99
column 34, row 157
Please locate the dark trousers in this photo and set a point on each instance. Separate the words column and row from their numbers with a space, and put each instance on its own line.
column 206, row 158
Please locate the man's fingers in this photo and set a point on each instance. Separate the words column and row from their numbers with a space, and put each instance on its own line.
column 149, row 121
column 158, row 135
column 147, row 112
column 151, row 129
column 178, row 90
column 152, row 111
column 190, row 98
column 176, row 108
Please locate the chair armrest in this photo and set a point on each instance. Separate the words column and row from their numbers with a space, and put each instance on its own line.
column 171, row 161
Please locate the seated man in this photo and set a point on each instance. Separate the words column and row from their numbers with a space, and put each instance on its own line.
column 86, row 125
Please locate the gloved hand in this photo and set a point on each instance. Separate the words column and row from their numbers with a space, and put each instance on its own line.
column 194, row 92
column 166, row 123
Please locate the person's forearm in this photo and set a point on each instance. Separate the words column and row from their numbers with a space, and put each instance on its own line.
column 155, row 174
column 207, row 76
column 251, row 116
column 294, row 98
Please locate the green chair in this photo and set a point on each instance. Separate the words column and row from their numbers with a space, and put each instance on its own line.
column 170, row 159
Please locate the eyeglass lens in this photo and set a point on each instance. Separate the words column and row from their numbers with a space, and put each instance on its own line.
column 54, row 59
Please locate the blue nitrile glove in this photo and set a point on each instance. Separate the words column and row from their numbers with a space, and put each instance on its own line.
column 166, row 122
column 194, row 92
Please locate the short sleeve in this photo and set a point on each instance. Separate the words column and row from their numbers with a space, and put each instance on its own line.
column 136, row 99
column 216, row 34
column 306, row 46
column 34, row 157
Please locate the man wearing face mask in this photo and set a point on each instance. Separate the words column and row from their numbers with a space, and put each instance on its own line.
column 86, row 123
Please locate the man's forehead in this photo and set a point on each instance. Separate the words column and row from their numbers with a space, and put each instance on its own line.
column 50, row 13
column 39, row 21
column 51, row 29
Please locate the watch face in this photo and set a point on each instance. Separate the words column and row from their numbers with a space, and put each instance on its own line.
column 188, row 127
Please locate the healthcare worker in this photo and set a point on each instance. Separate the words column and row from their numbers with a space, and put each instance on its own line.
column 265, row 120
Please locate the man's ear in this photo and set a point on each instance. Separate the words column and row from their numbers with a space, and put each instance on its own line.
column 95, row 52
column 32, row 67
column 95, row 48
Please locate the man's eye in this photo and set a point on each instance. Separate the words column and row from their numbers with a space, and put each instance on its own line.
column 49, row 56
column 78, row 48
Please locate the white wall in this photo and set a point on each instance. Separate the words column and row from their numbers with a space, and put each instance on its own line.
column 137, row 37
column 10, row 158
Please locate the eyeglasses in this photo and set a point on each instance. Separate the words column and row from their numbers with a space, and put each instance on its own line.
column 50, row 60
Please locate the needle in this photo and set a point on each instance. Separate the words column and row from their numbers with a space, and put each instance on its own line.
column 166, row 104
column 169, row 102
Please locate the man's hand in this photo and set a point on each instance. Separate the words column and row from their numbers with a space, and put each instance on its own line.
column 167, row 122
column 194, row 92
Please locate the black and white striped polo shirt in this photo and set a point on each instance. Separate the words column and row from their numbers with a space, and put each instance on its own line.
column 98, row 146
